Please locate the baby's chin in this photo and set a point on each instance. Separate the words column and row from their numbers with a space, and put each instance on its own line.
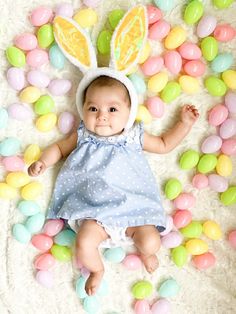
column 106, row 131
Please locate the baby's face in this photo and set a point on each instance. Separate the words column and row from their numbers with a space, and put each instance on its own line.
column 106, row 110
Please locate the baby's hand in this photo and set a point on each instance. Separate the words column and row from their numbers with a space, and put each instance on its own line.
column 189, row 114
column 37, row 168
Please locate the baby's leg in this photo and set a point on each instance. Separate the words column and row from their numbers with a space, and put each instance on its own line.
column 89, row 236
column 147, row 240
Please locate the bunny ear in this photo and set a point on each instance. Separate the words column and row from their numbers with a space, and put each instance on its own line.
column 74, row 43
column 128, row 39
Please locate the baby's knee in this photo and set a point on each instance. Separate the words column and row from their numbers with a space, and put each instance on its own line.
column 150, row 243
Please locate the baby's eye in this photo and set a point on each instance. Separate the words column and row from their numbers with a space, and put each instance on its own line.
column 112, row 109
column 94, row 109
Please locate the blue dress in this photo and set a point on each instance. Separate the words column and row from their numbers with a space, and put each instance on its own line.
column 108, row 179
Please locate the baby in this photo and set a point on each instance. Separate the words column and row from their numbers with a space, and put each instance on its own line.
column 106, row 185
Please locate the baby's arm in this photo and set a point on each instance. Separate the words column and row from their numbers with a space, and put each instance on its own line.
column 53, row 154
column 168, row 141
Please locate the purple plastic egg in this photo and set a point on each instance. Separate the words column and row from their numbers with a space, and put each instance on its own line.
column 132, row 262
column 229, row 147
column 142, row 307
column 26, row 41
column 59, row 87
column 38, row 78
column 218, row 114
column 37, row 57
column 218, row 183
column 16, row 78
column 159, row 30
column 228, row 128
column 206, row 26
column 91, row 3
column 155, row 106
column 40, row 16
column 169, row 225
column 66, row 122
column 173, row 61
column 211, row 144
column 184, row 201
column 230, row 101
column 161, row 306
column 20, row 112
column 64, row 9
column 45, row 278
column 13, row 163
column 172, row 239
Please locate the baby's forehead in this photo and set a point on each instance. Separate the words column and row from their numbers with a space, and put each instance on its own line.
column 119, row 91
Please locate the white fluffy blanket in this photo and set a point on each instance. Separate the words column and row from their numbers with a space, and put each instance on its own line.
column 207, row 292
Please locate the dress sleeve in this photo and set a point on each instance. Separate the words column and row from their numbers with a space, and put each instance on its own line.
column 137, row 133
column 80, row 132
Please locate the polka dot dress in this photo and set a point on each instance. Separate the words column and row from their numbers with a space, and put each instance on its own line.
column 108, row 179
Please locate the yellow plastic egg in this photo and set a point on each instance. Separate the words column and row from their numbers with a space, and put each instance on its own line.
column 46, row 122
column 224, row 166
column 7, row 191
column 86, row 17
column 30, row 94
column 32, row 154
column 17, row 179
column 145, row 53
column 212, row 230
column 196, row 246
column 175, row 38
column 143, row 115
column 157, row 82
column 229, row 77
column 31, row 191
column 189, row 84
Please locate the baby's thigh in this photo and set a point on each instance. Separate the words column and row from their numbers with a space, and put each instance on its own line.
column 143, row 236
column 90, row 232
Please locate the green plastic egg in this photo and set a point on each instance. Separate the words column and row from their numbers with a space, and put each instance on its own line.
column 229, row 196
column 80, row 287
column 179, row 255
column 209, row 47
column 91, row 304
column 193, row 12
column 192, row 230
column 173, row 188
column 115, row 16
column 170, row 92
column 20, row 233
column 222, row 4
column 168, row 288
column 215, row 86
column 45, row 36
column 142, row 289
column 189, row 159
column 44, row 105
column 207, row 163
column 35, row 222
column 9, row 146
column 15, row 57
column 28, row 208
column 61, row 253
column 103, row 42
column 65, row 237
column 115, row 255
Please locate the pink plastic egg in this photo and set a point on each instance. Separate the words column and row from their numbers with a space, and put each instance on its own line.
column 204, row 261
column 224, row 32
column 230, row 101
column 66, row 122
column 200, row 181
column 42, row 242
column 218, row 183
column 26, row 41
column 169, row 225
column 16, row 78
column 59, row 87
column 13, row 163
column 45, row 278
column 194, row 68
column 40, row 16
column 228, row 128
column 64, row 9
column 172, row 239
column 232, row 238
column 44, row 261
column 190, row 51
column 217, row 115
column 152, row 65
column 161, row 306
column 20, row 112
column 182, row 218
column 229, row 147
column 53, row 227
column 155, row 106
column 91, row 3
column 37, row 57
column 206, row 26
column 211, row 144
column 154, row 14
column 142, row 307
column 173, row 61
column 159, row 30
column 132, row 262
column 184, row 201
column 38, row 79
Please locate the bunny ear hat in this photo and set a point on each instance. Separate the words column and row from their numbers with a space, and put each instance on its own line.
column 127, row 42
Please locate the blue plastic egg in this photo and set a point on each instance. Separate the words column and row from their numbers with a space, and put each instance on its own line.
column 91, row 304
column 65, row 237
column 3, row 118
column 138, row 83
column 80, row 287
column 21, row 234
column 103, row 288
column 56, row 57
column 222, row 62
column 165, row 5
column 9, row 146
column 35, row 223
column 168, row 288
column 28, row 208
column 115, row 255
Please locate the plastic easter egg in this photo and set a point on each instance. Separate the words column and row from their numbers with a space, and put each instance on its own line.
column 193, row 12
column 162, row 306
column 142, row 289
column 53, row 227
column 56, row 57
column 20, row 112
column 132, row 262
column 173, row 61
column 211, row 144
column 59, row 87
column 42, row 242
column 65, row 122
column 16, row 78
column 114, row 17
column 44, row 105
column 65, row 237
column 166, row 5
column 157, row 82
column 32, row 154
column 189, row 84
column 115, row 255
column 155, row 106
column 179, row 255
column 169, row 225
column 194, row 68
column 152, row 65
column 84, row 272
column 142, row 307
column 26, row 41
column 138, row 83
column 46, row 122
column 31, row 191
column 35, row 223
column 143, row 115
column 196, row 246
column 224, row 166
column 189, row 159
column 40, row 16
column 159, row 30
column 7, row 191
column 200, row 181
column 37, row 57
column 222, row 4
column 9, row 146
column 230, row 101
column 44, row 261
column 228, row 197
column 30, row 94
column 91, row 3
column 38, row 78
column 3, row 118
column 145, row 53
column 209, row 47
column 228, row 128
column 17, row 179
column 182, row 218
column 154, row 14
column 229, row 147
column 218, row 115
column 169, row 288
column 28, row 208
column 45, row 36
column 61, row 253
column 173, row 188
column 13, row 163
column 175, row 38
column 103, row 42
column 44, row 278
column 207, row 163
column 15, row 57
column 232, row 238
column 215, row 86
column 229, row 77
column 172, row 239
column 91, row 304
column 80, row 287
column 190, row 51
column 212, row 230
column 184, row 201
column 21, row 234
column 170, row 92
column 206, row 26
column 86, row 17
column 204, row 261
column 224, row 32
column 222, row 62
column 192, row 230
column 64, row 9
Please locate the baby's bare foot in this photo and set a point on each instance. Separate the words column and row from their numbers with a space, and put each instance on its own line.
column 93, row 282
column 150, row 262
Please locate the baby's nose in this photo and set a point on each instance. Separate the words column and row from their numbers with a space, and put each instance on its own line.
column 102, row 116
